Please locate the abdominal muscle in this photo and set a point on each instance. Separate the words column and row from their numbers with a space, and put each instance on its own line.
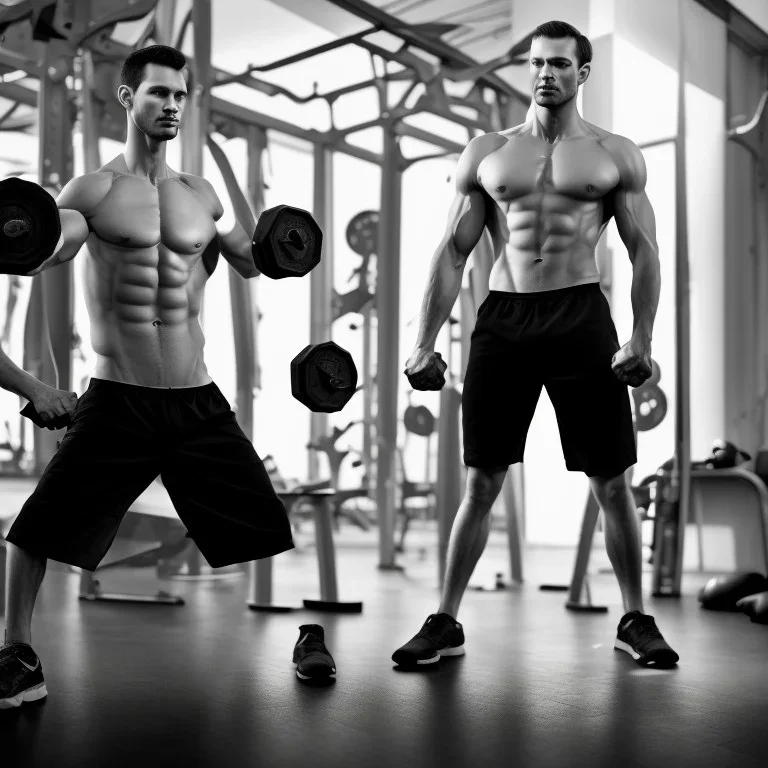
column 144, row 308
column 549, row 243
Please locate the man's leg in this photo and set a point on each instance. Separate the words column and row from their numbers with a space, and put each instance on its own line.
column 222, row 492
column 622, row 536
column 469, row 534
column 25, row 573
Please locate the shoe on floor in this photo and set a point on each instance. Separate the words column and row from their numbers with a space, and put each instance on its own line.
column 21, row 675
column 310, row 654
column 639, row 636
column 441, row 635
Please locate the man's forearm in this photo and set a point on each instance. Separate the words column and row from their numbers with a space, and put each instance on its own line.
column 16, row 380
column 646, row 285
column 443, row 286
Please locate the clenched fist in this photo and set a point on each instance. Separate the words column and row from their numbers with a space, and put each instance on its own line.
column 425, row 370
column 632, row 363
column 54, row 407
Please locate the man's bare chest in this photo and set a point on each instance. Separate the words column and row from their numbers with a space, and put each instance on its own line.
column 136, row 214
column 579, row 169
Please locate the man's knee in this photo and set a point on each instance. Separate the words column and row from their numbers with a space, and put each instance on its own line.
column 483, row 486
column 611, row 492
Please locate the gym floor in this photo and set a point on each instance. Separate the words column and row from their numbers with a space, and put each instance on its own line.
column 212, row 684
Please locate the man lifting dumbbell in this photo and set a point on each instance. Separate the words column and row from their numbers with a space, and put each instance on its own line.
column 546, row 324
column 151, row 407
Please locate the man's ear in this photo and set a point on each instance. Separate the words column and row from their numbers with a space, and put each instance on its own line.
column 125, row 96
column 584, row 73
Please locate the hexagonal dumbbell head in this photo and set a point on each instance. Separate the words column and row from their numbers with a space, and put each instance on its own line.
column 30, row 226
column 287, row 242
column 323, row 377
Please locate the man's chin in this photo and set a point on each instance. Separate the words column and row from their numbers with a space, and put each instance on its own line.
column 547, row 99
column 164, row 134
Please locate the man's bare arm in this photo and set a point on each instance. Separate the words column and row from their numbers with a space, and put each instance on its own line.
column 76, row 198
column 637, row 227
column 236, row 249
column 236, row 244
column 466, row 220
column 17, row 380
column 74, row 233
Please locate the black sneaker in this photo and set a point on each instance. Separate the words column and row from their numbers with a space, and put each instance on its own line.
column 639, row 636
column 441, row 635
column 310, row 654
column 21, row 675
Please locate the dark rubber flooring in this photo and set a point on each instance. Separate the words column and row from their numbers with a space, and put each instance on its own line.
column 212, row 684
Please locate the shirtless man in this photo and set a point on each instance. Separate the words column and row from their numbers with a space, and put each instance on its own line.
column 151, row 407
column 546, row 324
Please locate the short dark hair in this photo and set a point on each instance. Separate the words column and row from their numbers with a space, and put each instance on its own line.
column 133, row 67
column 556, row 30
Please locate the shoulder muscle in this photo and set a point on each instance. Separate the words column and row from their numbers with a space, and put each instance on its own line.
column 84, row 193
column 204, row 188
column 629, row 160
column 474, row 153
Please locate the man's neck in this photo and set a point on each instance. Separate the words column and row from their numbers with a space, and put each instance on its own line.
column 552, row 125
column 145, row 157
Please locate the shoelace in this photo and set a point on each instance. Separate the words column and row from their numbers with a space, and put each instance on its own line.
column 430, row 630
column 647, row 628
column 313, row 643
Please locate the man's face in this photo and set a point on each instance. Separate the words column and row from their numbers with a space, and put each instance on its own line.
column 554, row 70
column 159, row 101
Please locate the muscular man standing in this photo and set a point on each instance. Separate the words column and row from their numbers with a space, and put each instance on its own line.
column 545, row 323
column 151, row 407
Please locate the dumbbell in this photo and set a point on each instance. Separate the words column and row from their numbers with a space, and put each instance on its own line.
column 30, row 226
column 286, row 243
column 323, row 377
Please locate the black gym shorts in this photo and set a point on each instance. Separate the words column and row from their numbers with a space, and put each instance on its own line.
column 563, row 340
column 121, row 438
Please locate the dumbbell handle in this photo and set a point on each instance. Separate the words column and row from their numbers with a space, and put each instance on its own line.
column 293, row 238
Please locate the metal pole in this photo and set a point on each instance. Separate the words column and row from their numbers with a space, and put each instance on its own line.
column 388, row 348
column 244, row 296
column 55, row 168
column 193, row 137
column 165, row 17
column 368, row 391
column 681, row 477
column 243, row 311
column 90, row 113
column 195, row 127
column 256, row 138
column 321, row 284
column 514, row 512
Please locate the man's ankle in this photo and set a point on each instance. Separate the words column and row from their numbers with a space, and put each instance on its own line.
column 17, row 637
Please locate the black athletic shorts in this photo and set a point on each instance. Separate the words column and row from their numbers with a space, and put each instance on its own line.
column 121, row 438
column 563, row 340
